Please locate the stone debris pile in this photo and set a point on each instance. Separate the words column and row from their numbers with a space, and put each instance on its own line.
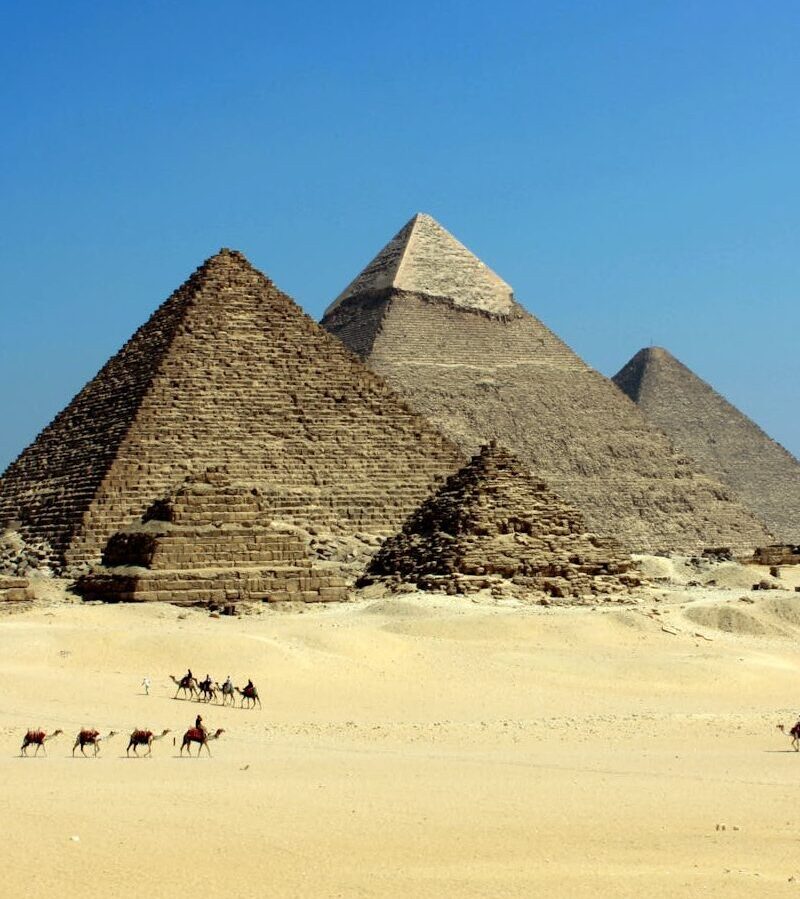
column 211, row 543
column 19, row 557
column 494, row 522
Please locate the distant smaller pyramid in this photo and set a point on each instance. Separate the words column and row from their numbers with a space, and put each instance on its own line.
column 211, row 542
column 494, row 521
column 723, row 441
column 423, row 257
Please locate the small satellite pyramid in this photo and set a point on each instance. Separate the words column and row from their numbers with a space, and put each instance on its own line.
column 228, row 373
column 446, row 332
column 493, row 521
column 723, row 441
column 211, row 542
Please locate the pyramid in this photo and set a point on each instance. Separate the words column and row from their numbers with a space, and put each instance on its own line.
column 210, row 542
column 494, row 520
column 229, row 372
column 723, row 441
column 469, row 358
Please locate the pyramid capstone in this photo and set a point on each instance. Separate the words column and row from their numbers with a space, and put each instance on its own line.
column 230, row 373
column 481, row 373
column 724, row 442
column 425, row 258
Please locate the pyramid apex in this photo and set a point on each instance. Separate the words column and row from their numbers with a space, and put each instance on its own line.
column 228, row 256
column 424, row 258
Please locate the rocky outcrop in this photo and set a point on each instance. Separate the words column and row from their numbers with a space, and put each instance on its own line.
column 494, row 522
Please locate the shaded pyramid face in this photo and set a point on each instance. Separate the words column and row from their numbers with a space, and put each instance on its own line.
column 495, row 519
column 481, row 373
column 229, row 373
column 723, row 442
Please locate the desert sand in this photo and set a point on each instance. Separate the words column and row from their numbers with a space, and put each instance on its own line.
column 414, row 745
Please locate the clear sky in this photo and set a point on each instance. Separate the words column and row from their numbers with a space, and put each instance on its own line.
column 632, row 169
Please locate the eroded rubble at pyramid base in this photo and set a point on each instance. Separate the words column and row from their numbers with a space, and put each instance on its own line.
column 572, row 577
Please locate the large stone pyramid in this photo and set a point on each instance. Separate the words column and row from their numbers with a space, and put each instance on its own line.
column 447, row 334
column 494, row 520
column 229, row 372
column 724, row 442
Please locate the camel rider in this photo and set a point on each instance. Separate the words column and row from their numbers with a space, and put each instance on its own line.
column 227, row 687
column 249, row 687
column 198, row 723
column 189, row 675
column 207, row 682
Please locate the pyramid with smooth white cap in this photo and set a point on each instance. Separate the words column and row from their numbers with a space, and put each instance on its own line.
column 447, row 333
column 228, row 373
column 723, row 441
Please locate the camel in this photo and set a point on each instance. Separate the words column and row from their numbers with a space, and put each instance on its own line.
column 199, row 735
column 794, row 733
column 38, row 738
column 188, row 684
column 250, row 694
column 228, row 691
column 91, row 737
column 207, row 690
column 144, row 738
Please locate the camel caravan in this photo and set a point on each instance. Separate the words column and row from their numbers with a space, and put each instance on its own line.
column 209, row 690
column 92, row 738
column 190, row 687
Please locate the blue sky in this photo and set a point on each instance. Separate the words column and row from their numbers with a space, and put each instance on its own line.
column 631, row 168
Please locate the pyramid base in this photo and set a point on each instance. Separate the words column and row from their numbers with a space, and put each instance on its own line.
column 777, row 554
column 459, row 584
column 15, row 589
column 219, row 587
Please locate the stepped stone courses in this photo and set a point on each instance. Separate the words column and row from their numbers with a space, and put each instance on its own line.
column 212, row 542
column 228, row 373
column 723, row 442
column 777, row 554
column 494, row 521
column 481, row 369
column 15, row 589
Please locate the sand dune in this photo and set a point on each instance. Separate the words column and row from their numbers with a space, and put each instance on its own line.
column 432, row 746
